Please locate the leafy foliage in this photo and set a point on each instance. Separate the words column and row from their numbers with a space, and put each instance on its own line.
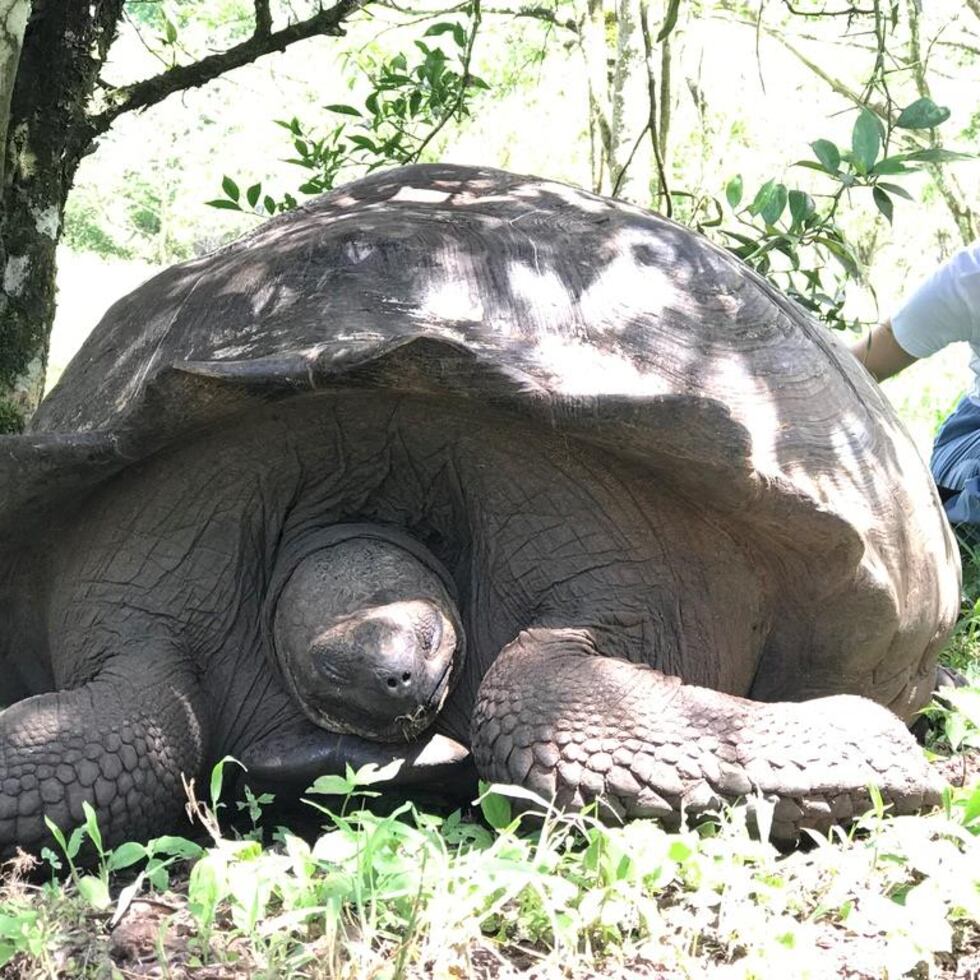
column 408, row 103
column 787, row 224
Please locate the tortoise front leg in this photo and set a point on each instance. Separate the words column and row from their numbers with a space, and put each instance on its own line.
column 120, row 742
column 558, row 718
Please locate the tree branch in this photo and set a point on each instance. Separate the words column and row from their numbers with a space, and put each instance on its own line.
column 654, row 126
column 846, row 12
column 629, row 160
column 464, row 82
column 150, row 91
column 545, row 14
column 263, row 18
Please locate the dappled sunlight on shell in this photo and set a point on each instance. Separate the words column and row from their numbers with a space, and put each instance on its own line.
column 580, row 368
column 426, row 195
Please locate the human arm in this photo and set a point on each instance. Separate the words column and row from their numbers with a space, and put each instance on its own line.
column 881, row 353
column 943, row 309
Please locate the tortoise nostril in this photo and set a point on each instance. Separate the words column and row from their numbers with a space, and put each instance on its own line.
column 395, row 681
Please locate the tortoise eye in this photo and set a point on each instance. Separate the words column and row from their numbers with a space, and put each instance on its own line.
column 428, row 627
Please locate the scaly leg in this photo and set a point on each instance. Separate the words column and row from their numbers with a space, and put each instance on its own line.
column 119, row 742
column 555, row 716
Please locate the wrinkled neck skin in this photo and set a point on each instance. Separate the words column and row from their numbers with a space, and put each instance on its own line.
column 522, row 530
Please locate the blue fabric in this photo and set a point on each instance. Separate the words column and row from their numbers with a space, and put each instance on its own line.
column 955, row 463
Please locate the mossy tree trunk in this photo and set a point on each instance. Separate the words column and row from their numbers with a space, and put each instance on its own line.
column 53, row 108
column 64, row 46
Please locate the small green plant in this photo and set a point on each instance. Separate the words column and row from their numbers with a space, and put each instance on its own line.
column 956, row 710
column 407, row 891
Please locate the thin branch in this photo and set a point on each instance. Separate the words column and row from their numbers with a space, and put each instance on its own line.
column 417, row 18
column 629, row 160
column 540, row 13
column 464, row 82
column 425, row 14
column 654, row 126
column 846, row 12
column 150, row 91
column 150, row 50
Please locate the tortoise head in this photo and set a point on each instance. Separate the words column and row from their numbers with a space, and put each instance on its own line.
column 367, row 635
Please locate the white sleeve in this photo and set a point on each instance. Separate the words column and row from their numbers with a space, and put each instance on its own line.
column 945, row 308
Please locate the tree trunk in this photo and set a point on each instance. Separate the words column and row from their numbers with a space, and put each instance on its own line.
column 630, row 164
column 64, row 46
column 51, row 54
column 592, row 43
column 13, row 23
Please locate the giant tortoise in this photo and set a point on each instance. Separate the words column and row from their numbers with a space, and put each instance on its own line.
column 466, row 467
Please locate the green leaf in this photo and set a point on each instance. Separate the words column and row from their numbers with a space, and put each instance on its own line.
column 57, row 833
column 828, row 155
column 205, row 888
column 332, row 785
column 892, row 165
column 922, row 114
column 269, row 203
column 95, row 891
column 223, row 203
column 92, row 825
column 443, row 27
column 157, row 874
column 496, row 808
column 371, row 773
column 971, row 809
column 801, row 206
column 733, row 191
column 125, row 855
column 966, row 700
column 810, row 165
column 252, row 195
column 345, row 110
column 896, row 190
column 75, row 843
column 843, row 255
column 884, row 203
column 775, row 205
column 230, row 188
column 866, row 140
column 459, row 35
column 670, row 20
column 169, row 30
column 217, row 777
column 762, row 196
column 937, row 154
